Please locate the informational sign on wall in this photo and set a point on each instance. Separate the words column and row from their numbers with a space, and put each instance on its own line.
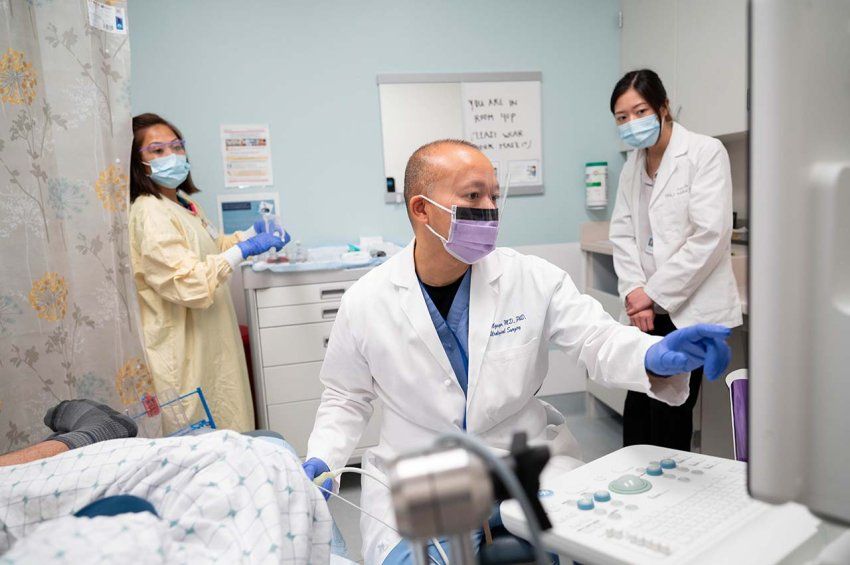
column 247, row 155
column 106, row 16
column 503, row 120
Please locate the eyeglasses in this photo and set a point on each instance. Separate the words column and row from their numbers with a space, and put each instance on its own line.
column 158, row 147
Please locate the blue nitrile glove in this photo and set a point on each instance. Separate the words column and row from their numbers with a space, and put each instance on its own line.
column 691, row 348
column 260, row 243
column 313, row 468
column 260, row 227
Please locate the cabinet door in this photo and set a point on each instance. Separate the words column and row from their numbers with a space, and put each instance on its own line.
column 301, row 294
column 285, row 345
column 295, row 420
column 648, row 39
column 297, row 315
column 711, row 66
column 292, row 383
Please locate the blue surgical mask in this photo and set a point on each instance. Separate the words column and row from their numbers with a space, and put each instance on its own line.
column 641, row 133
column 169, row 171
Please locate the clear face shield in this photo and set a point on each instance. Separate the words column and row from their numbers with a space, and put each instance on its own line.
column 503, row 195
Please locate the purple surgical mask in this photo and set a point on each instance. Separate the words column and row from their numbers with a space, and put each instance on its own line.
column 473, row 232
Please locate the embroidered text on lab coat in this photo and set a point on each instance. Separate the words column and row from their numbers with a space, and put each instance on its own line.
column 508, row 325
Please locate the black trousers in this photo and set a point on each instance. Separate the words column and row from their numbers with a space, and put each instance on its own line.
column 649, row 421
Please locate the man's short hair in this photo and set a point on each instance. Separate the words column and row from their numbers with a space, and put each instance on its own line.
column 420, row 174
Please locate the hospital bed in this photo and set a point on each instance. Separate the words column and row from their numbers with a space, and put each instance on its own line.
column 219, row 496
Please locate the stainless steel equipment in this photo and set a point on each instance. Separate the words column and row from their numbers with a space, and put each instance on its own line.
column 449, row 491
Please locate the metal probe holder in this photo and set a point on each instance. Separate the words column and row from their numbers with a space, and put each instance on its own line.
column 448, row 491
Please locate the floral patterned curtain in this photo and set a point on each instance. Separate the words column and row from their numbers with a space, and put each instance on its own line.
column 67, row 298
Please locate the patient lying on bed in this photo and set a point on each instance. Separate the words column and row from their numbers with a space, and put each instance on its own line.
column 218, row 496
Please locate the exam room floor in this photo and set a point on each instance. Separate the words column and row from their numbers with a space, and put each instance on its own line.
column 598, row 430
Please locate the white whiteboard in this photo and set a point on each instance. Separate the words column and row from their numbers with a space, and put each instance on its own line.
column 503, row 120
column 437, row 115
column 498, row 112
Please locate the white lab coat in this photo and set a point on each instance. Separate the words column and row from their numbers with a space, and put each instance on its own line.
column 690, row 211
column 384, row 345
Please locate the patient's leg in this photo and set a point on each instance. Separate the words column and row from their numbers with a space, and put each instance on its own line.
column 84, row 422
column 77, row 423
column 42, row 450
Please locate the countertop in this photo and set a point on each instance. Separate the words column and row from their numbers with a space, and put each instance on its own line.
column 605, row 247
column 594, row 239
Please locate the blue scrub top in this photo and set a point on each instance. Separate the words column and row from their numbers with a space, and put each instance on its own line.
column 454, row 331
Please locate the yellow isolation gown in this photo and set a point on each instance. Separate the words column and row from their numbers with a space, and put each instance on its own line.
column 190, row 330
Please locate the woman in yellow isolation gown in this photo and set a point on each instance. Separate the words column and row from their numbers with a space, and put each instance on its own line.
column 181, row 266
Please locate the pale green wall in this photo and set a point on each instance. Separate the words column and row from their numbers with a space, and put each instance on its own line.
column 308, row 69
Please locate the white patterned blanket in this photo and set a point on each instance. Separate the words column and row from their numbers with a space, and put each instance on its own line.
column 220, row 497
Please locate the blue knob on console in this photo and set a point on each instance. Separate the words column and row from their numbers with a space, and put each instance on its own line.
column 654, row 470
column 668, row 464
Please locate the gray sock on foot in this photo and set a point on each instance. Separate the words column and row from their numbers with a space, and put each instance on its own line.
column 83, row 422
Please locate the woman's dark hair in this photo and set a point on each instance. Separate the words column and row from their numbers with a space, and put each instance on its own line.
column 140, row 183
column 648, row 85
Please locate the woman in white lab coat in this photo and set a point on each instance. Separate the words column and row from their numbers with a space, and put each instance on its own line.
column 671, row 230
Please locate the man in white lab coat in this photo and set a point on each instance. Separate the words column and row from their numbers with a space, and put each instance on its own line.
column 453, row 334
